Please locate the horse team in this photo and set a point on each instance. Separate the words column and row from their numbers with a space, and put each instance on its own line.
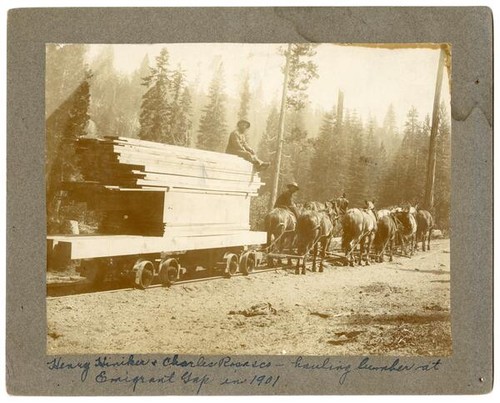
column 312, row 226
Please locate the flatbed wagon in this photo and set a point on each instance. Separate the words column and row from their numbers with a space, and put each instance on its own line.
column 166, row 209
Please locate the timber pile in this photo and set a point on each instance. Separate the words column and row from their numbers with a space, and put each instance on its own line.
column 153, row 189
column 132, row 163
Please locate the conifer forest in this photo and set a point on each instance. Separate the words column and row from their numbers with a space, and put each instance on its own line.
column 327, row 148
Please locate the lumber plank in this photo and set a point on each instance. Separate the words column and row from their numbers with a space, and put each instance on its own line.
column 88, row 247
column 240, row 189
column 204, row 154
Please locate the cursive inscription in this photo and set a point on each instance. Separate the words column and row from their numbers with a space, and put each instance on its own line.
column 200, row 373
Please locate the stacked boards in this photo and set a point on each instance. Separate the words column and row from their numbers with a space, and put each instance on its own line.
column 133, row 163
column 152, row 189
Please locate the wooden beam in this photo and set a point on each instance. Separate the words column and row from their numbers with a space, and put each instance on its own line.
column 88, row 247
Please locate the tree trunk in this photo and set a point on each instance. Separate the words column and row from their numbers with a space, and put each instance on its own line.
column 279, row 151
column 431, row 164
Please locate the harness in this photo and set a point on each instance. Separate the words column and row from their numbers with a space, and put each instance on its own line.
column 267, row 249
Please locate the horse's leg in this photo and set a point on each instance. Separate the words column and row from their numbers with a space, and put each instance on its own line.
column 429, row 239
column 352, row 254
column 382, row 252
column 315, row 254
column 327, row 248
column 361, row 251
column 364, row 255
column 391, row 245
column 348, row 255
column 283, row 245
column 366, row 249
column 369, row 248
column 304, row 262
column 324, row 243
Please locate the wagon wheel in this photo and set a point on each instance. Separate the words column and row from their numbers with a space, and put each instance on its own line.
column 232, row 265
column 169, row 272
column 247, row 262
column 143, row 270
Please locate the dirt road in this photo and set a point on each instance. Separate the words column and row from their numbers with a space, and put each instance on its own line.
column 398, row 308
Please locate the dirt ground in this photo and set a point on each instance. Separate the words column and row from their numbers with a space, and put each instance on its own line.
column 398, row 308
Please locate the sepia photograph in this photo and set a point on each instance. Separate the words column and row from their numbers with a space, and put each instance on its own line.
column 248, row 199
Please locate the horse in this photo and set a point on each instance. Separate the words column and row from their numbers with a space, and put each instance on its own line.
column 407, row 229
column 314, row 228
column 359, row 227
column 370, row 217
column 425, row 222
column 314, row 206
column 280, row 224
column 385, row 236
column 387, row 212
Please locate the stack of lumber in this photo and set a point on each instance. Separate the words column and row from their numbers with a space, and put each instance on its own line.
column 133, row 163
column 152, row 189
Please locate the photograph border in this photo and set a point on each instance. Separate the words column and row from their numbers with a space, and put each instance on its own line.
column 469, row 370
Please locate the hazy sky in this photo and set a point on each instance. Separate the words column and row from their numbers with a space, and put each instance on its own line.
column 371, row 78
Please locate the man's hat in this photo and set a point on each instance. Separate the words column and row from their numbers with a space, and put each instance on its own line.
column 293, row 185
column 243, row 123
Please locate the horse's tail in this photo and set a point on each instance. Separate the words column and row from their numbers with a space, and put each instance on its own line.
column 267, row 224
column 273, row 228
column 346, row 232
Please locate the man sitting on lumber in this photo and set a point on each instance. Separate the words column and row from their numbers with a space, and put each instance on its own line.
column 237, row 145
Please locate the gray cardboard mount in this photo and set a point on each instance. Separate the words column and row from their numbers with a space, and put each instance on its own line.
column 469, row 370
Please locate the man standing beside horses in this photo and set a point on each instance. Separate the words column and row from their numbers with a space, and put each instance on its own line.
column 343, row 203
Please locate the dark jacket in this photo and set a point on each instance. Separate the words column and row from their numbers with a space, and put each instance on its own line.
column 237, row 144
column 285, row 199
column 343, row 203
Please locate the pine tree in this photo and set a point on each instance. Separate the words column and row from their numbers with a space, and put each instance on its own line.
column 66, row 124
column 443, row 171
column 180, row 123
column 409, row 156
column 356, row 178
column 213, row 130
column 245, row 99
column 301, row 72
column 267, row 146
column 322, row 159
column 295, row 162
column 67, row 78
column 409, row 164
column 133, row 98
column 155, row 109
column 372, row 162
column 341, row 158
column 390, row 131
column 104, row 93
column 65, row 71
column 383, row 179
